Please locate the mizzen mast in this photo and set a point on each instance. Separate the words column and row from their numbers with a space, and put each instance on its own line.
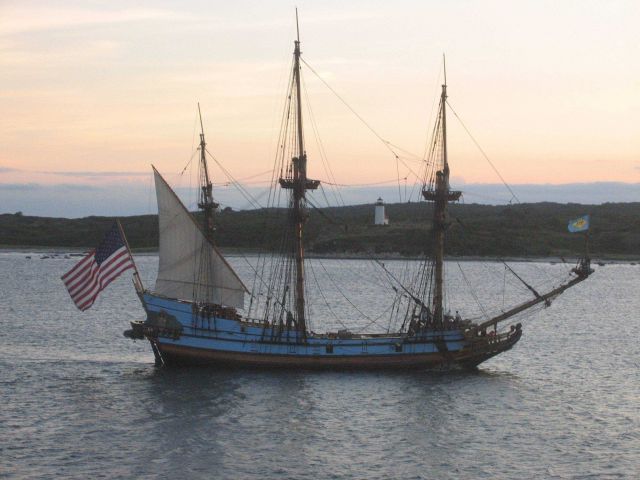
column 205, row 203
column 438, row 191
column 296, row 180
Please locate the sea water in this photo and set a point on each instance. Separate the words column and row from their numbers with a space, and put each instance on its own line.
column 78, row 400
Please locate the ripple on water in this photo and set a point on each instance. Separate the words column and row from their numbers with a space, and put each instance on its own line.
column 80, row 401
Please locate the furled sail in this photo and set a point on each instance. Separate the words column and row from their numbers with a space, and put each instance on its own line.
column 190, row 267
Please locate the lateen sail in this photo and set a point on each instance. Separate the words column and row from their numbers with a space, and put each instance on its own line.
column 190, row 267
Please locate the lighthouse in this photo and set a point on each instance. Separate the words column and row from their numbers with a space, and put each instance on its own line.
column 380, row 217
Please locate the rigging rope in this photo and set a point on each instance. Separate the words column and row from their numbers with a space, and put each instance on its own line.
column 504, row 182
column 325, row 216
column 385, row 182
column 313, row 272
column 343, row 295
column 375, row 321
column 473, row 293
column 386, row 143
column 323, row 155
column 243, row 191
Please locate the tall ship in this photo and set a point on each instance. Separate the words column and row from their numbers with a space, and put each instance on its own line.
column 201, row 312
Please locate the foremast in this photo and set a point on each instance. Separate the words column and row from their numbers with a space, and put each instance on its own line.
column 296, row 180
column 203, row 287
column 205, row 202
column 438, row 191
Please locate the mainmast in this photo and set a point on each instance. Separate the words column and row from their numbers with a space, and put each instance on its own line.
column 206, row 203
column 298, row 183
column 440, row 194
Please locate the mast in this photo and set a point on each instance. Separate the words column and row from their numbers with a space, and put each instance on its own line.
column 296, row 54
column 443, row 100
column 440, row 194
column 298, row 183
column 206, row 203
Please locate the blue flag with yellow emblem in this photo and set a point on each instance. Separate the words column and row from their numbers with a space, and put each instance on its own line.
column 580, row 224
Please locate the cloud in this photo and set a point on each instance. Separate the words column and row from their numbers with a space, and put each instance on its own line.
column 53, row 53
column 21, row 19
column 96, row 174
column 19, row 187
column 72, row 201
column 80, row 200
column 77, row 173
column 61, row 187
column 593, row 193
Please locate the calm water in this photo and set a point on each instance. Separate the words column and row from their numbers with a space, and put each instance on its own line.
column 81, row 401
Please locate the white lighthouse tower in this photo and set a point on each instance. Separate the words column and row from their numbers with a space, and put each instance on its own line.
column 381, row 217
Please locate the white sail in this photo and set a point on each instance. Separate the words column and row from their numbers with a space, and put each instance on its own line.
column 190, row 267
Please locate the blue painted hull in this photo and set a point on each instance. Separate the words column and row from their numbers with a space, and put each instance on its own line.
column 180, row 334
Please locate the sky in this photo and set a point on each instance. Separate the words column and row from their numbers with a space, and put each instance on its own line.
column 92, row 93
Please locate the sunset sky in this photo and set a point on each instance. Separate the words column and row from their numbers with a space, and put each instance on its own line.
column 92, row 93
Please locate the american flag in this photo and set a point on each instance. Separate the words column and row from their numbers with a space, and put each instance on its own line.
column 98, row 269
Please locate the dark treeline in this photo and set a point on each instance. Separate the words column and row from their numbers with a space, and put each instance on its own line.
column 538, row 229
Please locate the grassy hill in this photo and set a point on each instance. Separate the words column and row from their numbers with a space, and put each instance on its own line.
column 538, row 229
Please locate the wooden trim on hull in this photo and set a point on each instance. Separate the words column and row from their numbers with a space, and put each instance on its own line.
column 466, row 358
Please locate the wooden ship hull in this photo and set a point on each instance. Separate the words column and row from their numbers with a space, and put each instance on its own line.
column 181, row 333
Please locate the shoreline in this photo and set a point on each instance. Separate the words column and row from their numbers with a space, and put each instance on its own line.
column 235, row 252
